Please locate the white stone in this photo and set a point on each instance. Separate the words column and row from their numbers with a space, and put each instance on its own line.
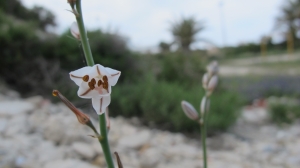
column 136, row 140
column 84, row 150
column 68, row 163
column 150, row 158
column 16, row 107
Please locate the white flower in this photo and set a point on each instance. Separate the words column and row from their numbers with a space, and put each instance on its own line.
column 75, row 30
column 95, row 83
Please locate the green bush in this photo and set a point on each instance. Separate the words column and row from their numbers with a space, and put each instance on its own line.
column 284, row 113
column 159, row 103
column 182, row 68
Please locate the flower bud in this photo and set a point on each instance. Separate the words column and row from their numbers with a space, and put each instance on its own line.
column 212, row 83
column 189, row 110
column 205, row 80
column 75, row 30
column 82, row 118
column 213, row 68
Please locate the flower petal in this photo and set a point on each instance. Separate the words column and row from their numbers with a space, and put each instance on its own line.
column 85, row 92
column 77, row 75
column 100, row 104
column 103, row 92
column 113, row 76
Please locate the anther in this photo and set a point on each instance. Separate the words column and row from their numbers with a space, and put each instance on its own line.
column 93, row 81
column 85, row 78
column 100, row 83
column 91, row 85
column 105, row 79
column 105, row 85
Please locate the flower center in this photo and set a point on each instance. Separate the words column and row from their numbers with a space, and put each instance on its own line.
column 101, row 82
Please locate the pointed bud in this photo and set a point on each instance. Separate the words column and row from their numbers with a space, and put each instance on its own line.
column 205, row 80
column 213, row 68
column 189, row 110
column 75, row 30
column 212, row 83
column 82, row 118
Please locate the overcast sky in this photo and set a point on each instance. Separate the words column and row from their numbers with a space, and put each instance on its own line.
column 146, row 23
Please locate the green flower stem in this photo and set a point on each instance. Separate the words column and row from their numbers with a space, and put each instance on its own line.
column 84, row 40
column 90, row 62
column 203, row 126
column 104, row 141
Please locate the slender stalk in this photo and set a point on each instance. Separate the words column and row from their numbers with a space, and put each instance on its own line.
column 104, row 141
column 90, row 62
column 203, row 126
column 84, row 40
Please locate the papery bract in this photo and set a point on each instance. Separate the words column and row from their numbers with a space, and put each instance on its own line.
column 75, row 30
column 95, row 83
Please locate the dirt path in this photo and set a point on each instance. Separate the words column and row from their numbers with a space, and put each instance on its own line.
column 269, row 65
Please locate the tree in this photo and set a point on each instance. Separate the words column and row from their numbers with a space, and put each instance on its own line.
column 185, row 31
column 289, row 20
column 164, row 47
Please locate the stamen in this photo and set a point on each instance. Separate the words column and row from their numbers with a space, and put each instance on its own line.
column 100, row 83
column 93, row 81
column 85, row 78
column 105, row 79
column 105, row 85
column 91, row 85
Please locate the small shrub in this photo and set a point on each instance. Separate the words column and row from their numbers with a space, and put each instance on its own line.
column 284, row 110
column 158, row 103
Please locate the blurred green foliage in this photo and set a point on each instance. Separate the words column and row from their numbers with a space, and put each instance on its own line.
column 158, row 103
column 284, row 112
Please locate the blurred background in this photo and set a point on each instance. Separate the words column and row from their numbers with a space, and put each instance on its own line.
column 162, row 49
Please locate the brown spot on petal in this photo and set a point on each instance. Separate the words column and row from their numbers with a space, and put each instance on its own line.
column 86, row 92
